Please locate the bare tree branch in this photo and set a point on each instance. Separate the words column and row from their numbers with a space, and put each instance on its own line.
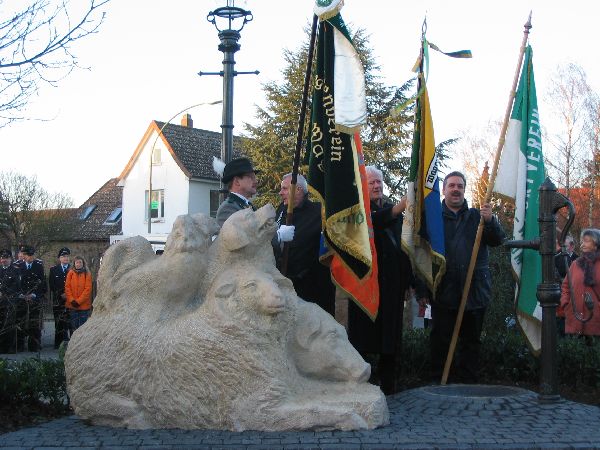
column 29, row 214
column 36, row 47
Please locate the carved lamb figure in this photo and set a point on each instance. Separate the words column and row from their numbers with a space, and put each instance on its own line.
column 211, row 335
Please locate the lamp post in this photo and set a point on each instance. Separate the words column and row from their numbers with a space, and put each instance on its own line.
column 225, row 19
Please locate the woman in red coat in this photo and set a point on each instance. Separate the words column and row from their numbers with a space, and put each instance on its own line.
column 581, row 302
column 78, row 291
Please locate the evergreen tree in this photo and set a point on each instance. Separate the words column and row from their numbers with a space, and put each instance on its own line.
column 386, row 140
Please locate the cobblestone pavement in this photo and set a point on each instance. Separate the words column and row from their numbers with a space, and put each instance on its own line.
column 433, row 417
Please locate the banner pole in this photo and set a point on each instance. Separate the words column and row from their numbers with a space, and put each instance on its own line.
column 299, row 136
column 488, row 196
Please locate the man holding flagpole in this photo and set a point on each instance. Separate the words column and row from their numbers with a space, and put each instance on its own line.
column 460, row 228
column 383, row 337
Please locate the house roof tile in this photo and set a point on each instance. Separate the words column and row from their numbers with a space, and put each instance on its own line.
column 107, row 199
column 195, row 148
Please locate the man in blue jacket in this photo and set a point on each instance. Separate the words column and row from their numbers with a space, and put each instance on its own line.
column 460, row 228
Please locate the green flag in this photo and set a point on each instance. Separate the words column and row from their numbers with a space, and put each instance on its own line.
column 520, row 173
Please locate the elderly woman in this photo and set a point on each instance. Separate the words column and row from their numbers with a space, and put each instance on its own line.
column 581, row 300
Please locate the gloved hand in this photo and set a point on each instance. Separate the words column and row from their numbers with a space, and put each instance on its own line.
column 285, row 233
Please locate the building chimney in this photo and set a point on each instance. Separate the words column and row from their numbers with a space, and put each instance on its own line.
column 186, row 121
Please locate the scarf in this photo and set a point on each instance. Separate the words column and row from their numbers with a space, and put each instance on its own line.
column 82, row 270
column 586, row 262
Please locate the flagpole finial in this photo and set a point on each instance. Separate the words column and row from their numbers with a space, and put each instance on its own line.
column 424, row 28
column 528, row 25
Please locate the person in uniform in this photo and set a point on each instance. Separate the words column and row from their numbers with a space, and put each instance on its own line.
column 33, row 291
column 240, row 178
column 311, row 279
column 9, row 291
column 56, row 284
column 381, row 340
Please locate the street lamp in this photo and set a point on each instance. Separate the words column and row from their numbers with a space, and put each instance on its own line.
column 229, row 20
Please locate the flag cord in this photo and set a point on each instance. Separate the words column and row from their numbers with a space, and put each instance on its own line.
column 488, row 195
column 301, row 120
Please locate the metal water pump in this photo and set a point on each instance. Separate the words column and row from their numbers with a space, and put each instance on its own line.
column 548, row 291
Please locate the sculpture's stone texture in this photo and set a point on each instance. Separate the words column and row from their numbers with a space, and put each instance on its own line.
column 211, row 335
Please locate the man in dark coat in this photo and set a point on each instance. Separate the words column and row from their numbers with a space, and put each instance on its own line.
column 33, row 291
column 560, row 268
column 460, row 228
column 559, row 259
column 384, row 336
column 311, row 279
column 56, row 282
column 240, row 178
column 9, row 291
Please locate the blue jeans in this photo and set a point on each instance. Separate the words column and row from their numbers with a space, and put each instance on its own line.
column 78, row 318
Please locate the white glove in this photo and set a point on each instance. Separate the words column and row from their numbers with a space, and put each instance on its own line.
column 285, row 233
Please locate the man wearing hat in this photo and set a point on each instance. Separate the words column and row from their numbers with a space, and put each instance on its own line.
column 9, row 290
column 240, row 178
column 33, row 290
column 56, row 282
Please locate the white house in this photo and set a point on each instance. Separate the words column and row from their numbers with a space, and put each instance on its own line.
column 180, row 174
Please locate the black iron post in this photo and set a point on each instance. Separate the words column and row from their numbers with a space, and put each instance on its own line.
column 229, row 45
column 548, row 291
column 229, row 37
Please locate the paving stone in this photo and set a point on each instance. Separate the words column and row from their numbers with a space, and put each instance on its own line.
column 418, row 421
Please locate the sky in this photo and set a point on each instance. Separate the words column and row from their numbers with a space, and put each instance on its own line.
column 143, row 65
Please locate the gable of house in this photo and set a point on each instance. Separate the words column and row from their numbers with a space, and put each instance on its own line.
column 192, row 149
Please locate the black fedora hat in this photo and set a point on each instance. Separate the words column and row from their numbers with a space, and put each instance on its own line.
column 5, row 253
column 237, row 167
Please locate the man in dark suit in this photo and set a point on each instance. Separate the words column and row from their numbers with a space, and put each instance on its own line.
column 559, row 258
column 240, row 178
column 381, row 341
column 33, row 291
column 56, row 282
column 562, row 262
column 311, row 279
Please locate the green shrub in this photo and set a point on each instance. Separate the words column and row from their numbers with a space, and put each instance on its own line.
column 415, row 365
column 33, row 381
column 579, row 361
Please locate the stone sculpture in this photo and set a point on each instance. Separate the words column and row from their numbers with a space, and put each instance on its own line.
column 211, row 335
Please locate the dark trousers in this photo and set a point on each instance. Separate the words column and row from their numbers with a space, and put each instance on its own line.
column 465, row 366
column 33, row 325
column 61, row 324
column 7, row 326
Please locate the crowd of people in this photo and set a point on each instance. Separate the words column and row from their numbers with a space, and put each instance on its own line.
column 24, row 290
column 23, row 286
column 380, row 341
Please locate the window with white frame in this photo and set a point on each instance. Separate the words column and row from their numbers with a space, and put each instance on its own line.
column 157, row 205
